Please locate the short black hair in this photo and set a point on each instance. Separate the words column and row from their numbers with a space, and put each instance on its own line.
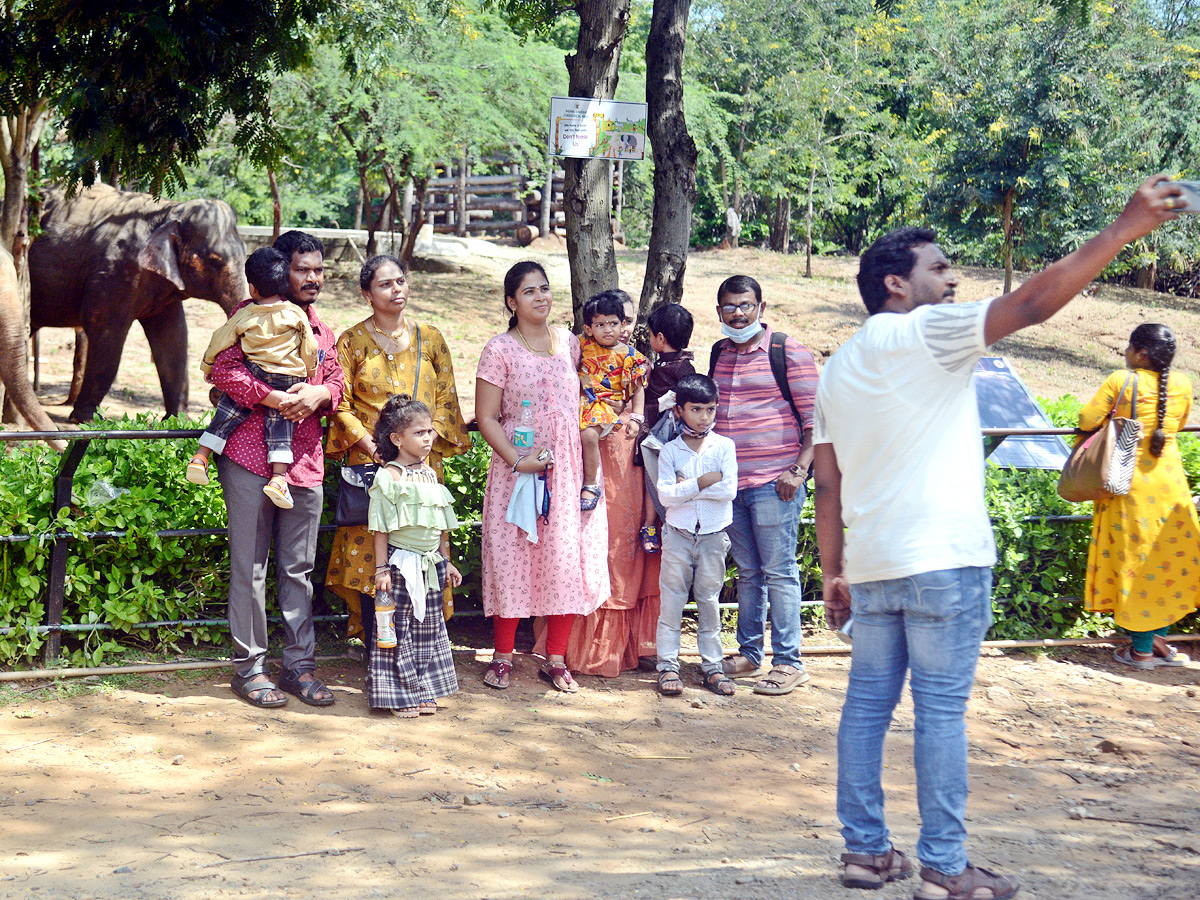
column 673, row 322
column 739, row 284
column 605, row 303
column 696, row 389
column 892, row 254
column 292, row 242
column 267, row 270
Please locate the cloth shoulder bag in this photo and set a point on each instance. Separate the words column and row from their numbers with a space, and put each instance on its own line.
column 1101, row 465
column 354, row 481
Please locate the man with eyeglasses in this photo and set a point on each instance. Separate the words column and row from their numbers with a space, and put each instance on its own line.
column 756, row 370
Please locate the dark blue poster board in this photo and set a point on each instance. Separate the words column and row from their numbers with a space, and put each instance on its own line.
column 1005, row 402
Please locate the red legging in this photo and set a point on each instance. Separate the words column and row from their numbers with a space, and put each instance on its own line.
column 558, row 633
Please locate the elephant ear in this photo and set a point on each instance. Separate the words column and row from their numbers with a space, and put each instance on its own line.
column 159, row 256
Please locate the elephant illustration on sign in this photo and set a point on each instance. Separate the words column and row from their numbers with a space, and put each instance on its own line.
column 106, row 258
column 14, row 351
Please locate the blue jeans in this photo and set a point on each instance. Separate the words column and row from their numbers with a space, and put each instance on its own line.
column 931, row 624
column 763, row 540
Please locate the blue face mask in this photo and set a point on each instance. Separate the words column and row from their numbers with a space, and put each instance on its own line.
column 741, row 335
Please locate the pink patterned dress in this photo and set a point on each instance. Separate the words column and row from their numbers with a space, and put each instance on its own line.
column 566, row 571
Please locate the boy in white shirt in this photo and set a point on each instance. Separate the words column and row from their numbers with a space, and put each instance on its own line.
column 697, row 481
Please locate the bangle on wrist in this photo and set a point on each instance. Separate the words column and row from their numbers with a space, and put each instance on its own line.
column 517, row 462
column 637, row 417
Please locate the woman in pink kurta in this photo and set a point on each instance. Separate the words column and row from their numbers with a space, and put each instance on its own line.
column 564, row 574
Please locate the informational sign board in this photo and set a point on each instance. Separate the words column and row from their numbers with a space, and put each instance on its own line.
column 583, row 127
column 1005, row 402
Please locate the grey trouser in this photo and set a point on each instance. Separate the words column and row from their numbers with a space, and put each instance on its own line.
column 692, row 563
column 254, row 524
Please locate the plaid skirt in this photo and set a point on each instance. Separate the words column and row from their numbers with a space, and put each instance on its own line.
column 420, row 667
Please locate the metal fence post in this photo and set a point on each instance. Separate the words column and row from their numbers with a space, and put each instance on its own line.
column 58, row 554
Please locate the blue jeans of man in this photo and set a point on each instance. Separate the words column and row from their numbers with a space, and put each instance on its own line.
column 763, row 540
column 930, row 625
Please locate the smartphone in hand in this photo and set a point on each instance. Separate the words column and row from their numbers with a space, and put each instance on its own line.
column 1190, row 201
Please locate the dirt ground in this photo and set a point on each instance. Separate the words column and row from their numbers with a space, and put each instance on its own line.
column 1084, row 775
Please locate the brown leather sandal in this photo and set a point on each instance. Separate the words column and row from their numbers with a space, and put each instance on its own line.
column 878, row 870
column 971, row 883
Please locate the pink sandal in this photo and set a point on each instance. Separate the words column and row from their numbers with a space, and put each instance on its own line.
column 496, row 674
column 559, row 676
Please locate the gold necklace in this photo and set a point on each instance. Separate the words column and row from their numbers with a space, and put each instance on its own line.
column 395, row 335
column 549, row 335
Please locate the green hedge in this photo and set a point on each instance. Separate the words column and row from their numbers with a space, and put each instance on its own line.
column 143, row 578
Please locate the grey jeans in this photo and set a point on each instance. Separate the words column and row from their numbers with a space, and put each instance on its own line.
column 255, row 523
column 695, row 563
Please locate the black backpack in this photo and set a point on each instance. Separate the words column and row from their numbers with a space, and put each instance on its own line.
column 778, row 369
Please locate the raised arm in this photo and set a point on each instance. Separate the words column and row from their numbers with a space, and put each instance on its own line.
column 1045, row 293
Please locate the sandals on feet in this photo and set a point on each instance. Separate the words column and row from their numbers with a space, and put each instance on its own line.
column 782, row 679
column 305, row 691
column 559, row 676
column 669, row 684
column 651, row 541
column 197, row 470
column 740, row 666
column 253, row 691
column 873, row 872
column 496, row 674
column 719, row 683
column 427, row 707
column 970, row 884
column 589, row 503
column 406, row 712
column 1125, row 655
column 277, row 492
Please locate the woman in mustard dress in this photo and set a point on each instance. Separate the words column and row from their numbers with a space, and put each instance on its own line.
column 386, row 353
column 1144, row 558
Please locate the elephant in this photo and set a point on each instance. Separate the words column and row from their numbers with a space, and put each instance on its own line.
column 106, row 257
column 14, row 352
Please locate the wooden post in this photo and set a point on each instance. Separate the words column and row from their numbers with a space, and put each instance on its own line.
column 618, row 228
column 461, row 200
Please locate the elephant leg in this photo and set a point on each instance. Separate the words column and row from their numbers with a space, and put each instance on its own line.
column 167, row 335
column 77, row 365
column 104, row 346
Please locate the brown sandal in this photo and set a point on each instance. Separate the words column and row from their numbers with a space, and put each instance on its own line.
column 496, row 675
column 890, row 866
column 970, row 884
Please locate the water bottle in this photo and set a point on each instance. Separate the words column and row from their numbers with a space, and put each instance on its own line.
column 523, row 433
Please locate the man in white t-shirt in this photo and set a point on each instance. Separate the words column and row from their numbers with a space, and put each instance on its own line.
column 904, row 536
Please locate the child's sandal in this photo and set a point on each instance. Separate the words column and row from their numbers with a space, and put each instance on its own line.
column 197, row 470
column 587, row 504
column 277, row 492
column 651, row 541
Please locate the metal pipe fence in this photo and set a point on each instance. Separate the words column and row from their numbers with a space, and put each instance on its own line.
column 79, row 441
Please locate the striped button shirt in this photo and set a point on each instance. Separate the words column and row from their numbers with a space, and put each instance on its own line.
column 753, row 413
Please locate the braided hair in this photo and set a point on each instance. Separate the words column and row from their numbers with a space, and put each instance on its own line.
column 397, row 414
column 1158, row 343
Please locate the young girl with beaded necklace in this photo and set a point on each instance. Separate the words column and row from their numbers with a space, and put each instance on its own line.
column 411, row 516
column 1145, row 548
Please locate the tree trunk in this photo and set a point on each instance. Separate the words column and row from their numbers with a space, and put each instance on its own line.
column 808, row 217
column 674, row 157
column 587, row 191
column 460, row 199
column 547, row 197
column 1006, row 218
column 276, row 208
column 418, row 218
column 781, row 225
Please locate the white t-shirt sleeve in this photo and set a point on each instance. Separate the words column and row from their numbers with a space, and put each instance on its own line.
column 954, row 334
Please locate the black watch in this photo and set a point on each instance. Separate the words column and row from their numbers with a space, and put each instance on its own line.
column 796, row 470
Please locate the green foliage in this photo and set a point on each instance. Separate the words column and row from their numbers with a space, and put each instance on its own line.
column 465, row 477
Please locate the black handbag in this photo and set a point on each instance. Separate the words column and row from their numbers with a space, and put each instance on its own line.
column 354, row 481
column 352, row 499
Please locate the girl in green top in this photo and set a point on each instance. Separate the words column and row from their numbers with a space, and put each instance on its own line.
column 410, row 518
